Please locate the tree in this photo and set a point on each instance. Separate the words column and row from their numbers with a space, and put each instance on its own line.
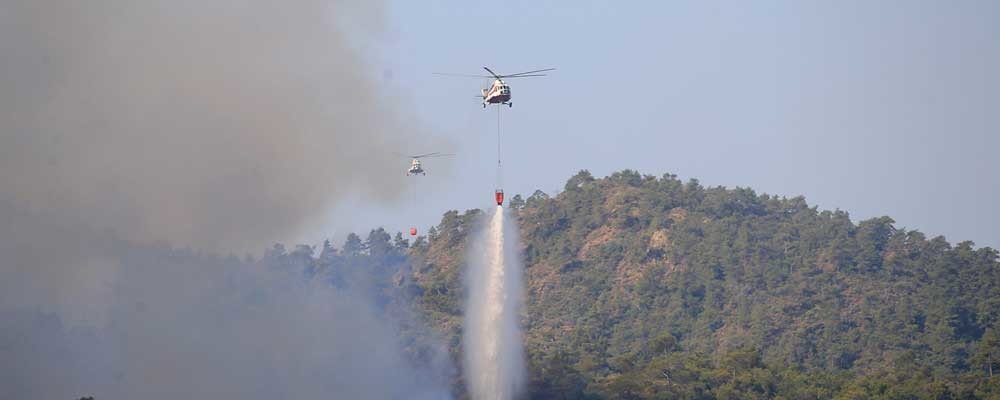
column 742, row 359
column 352, row 245
column 328, row 251
column 379, row 243
column 873, row 234
column 555, row 378
column 517, row 202
column 536, row 198
column 987, row 353
column 275, row 252
column 399, row 242
column 625, row 176
column 663, row 344
column 301, row 258
column 420, row 242
column 579, row 180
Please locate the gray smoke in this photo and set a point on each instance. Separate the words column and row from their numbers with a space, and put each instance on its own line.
column 219, row 125
column 183, row 325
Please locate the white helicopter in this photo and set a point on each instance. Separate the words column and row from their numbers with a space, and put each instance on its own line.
column 416, row 167
column 499, row 91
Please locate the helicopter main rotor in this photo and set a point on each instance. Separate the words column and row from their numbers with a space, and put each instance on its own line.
column 427, row 155
column 499, row 77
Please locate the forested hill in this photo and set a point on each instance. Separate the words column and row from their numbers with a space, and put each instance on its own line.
column 650, row 287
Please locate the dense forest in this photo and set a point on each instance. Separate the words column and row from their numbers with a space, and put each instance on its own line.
column 643, row 287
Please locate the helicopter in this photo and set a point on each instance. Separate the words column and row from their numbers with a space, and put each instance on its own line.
column 499, row 91
column 415, row 165
column 417, row 168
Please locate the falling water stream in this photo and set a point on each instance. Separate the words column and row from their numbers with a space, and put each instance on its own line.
column 494, row 355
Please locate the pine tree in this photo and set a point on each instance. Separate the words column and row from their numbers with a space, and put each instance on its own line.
column 353, row 246
column 987, row 352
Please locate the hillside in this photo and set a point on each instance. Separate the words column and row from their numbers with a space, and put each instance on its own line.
column 646, row 287
column 638, row 287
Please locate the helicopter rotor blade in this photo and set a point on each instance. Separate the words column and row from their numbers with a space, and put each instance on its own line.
column 493, row 73
column 527, row 72
column 432, row 155
column 425, row 155
column 461, row 75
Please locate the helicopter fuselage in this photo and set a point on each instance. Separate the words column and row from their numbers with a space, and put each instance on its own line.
column 498, row 93
column 415, row 168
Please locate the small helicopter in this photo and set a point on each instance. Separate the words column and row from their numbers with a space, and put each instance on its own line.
column 499, row 91
column 416, row 167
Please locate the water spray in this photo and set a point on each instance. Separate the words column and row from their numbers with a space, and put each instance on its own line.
column 494, row 353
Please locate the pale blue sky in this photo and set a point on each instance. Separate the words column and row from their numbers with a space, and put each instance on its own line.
column 876, row 108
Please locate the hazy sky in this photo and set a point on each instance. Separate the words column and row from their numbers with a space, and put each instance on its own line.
column 876, row 108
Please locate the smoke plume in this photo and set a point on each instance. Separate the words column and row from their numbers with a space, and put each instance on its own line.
column 127, row 128
column 494, row 354
column 218, row 124
column 183, row 325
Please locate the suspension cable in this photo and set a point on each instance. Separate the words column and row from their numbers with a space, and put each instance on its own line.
column 498, row 137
